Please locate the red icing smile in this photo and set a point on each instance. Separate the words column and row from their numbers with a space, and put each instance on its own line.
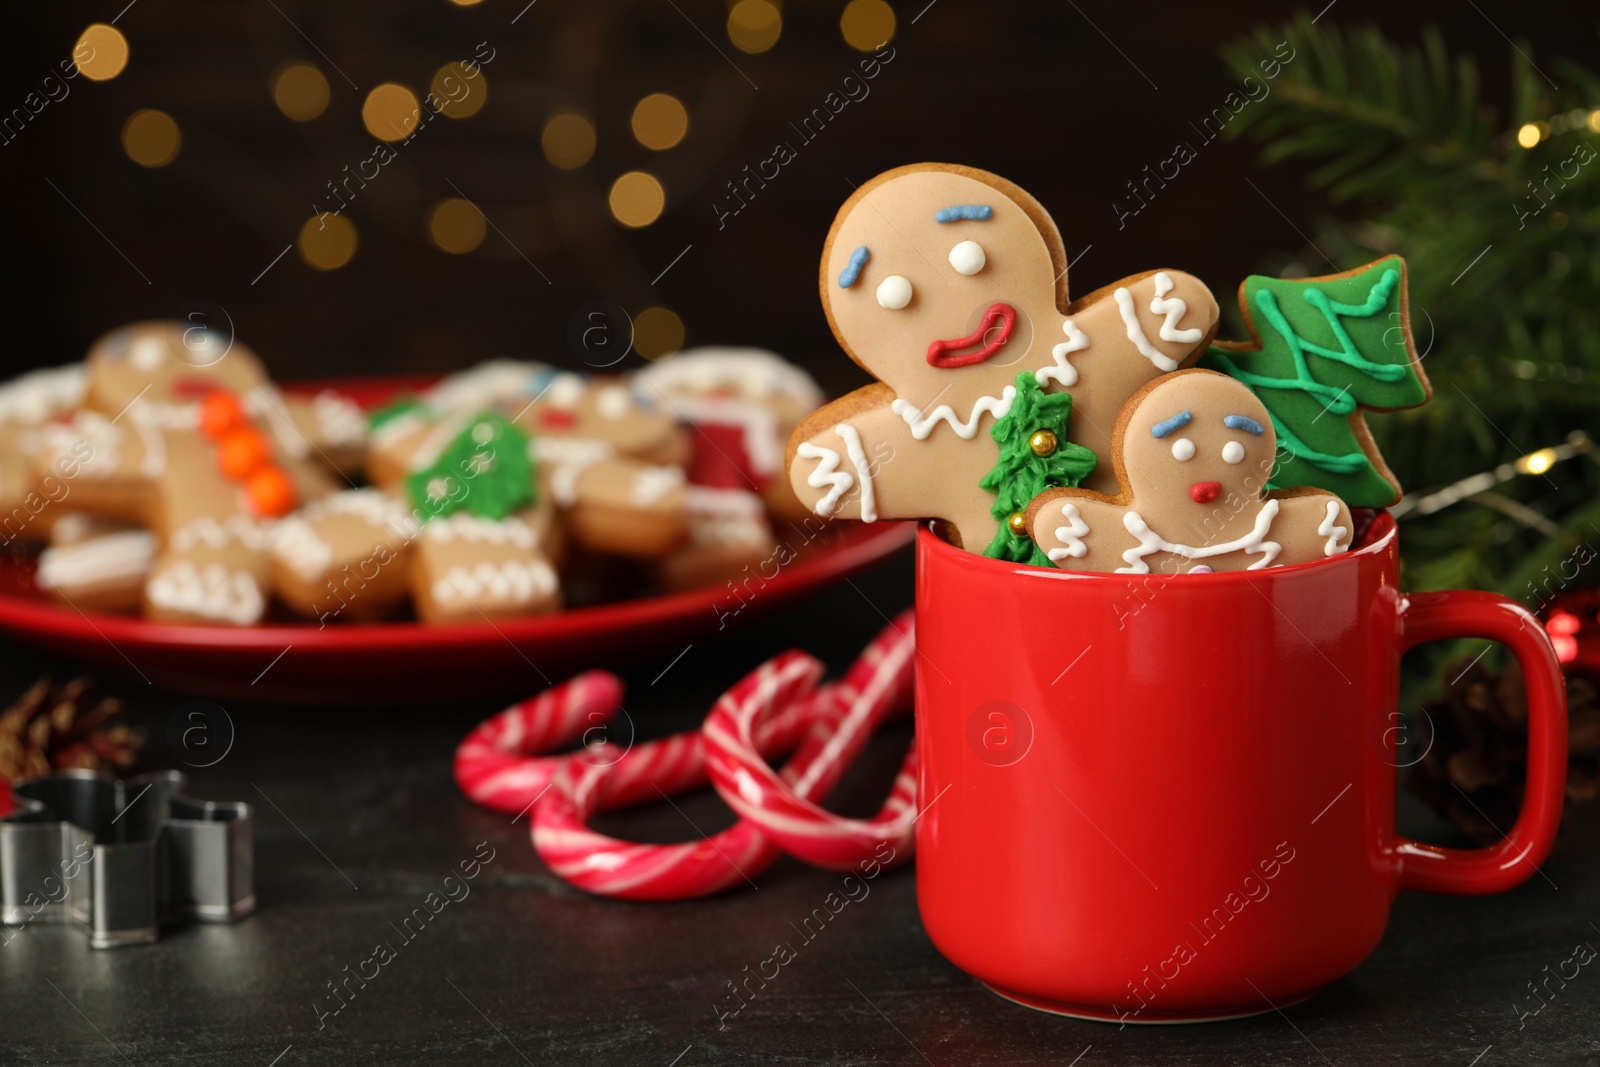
column 1204, row 492
column 947, row 354
column 557, row 419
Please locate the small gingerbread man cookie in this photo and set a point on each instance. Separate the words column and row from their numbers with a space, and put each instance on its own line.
column 1195, row 451
column 949, row 285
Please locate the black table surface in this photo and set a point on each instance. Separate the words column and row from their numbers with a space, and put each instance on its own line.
column 358, row 820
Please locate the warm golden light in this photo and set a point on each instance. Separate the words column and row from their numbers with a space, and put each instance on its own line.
column 867, row 25
column 637, row 199
column 466, row 3
column 1528, row 135
column 151, row 138
column 101, row 52
column 327, row 242
column 300, row 91
column 1537, row 462
column 660, row 121
column 1594, row 120
column 568, row 140
column 754, row 25
column 657, row 332
column 459, row 96
column 391, row 112
column 456, row 226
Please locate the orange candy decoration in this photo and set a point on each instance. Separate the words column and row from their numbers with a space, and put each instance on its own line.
column 220, row 412
column 270, row 493
column 242, row 452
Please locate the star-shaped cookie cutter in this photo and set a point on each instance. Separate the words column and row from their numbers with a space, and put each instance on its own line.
column 123, row 857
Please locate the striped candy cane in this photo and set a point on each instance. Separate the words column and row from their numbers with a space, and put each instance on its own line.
column 876, row 688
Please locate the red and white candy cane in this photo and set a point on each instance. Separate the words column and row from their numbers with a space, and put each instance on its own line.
column 499, row 764
column 876, row 688
column 612, row 867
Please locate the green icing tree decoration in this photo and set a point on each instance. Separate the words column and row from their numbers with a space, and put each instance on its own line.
column 1022, row 474
column 485, row 470
column 394, row 409
column 1331, row 348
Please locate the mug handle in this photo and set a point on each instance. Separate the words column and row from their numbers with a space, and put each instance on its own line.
column 1457, row 613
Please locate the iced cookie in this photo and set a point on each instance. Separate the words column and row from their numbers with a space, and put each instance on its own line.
column 728, row 536
column 1195, row 451
column 949, row 285
column 468, row 569
column 605, row 409
column 166, row 363
column 112, row 465
column 746, row 401
column 105, row 572
column 346, row 556
column 626, row 508
column 333, row 427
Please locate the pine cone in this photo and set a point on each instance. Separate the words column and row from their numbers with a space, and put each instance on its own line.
column 1474, row 771
column 54, row 727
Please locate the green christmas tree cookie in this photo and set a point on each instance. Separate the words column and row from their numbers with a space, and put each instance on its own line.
column 485, row 470
column 1324, row 350
column 1035, row 455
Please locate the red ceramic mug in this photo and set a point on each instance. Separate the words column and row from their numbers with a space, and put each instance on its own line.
column 1166, row 799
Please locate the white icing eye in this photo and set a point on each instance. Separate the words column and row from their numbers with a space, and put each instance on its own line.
column 1182, row 449
column 1232, row 452
column 148, row 353
column 967, row 257
column 894, row 292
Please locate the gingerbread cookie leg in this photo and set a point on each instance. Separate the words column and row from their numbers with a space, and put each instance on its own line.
column 468, row 569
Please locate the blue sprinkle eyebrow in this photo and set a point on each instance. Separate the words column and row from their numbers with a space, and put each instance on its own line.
column 1166, row 426
column 852, row 269
column 1242, row 422
column 976, row 212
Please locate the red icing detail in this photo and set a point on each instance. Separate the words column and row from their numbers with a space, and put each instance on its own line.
column 557, row 419
column 942, row 354
column 192, row 388
column 1204, row 492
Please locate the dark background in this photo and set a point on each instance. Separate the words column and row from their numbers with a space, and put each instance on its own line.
column 1033, row 91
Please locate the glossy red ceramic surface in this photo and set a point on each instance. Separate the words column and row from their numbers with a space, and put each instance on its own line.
column 1155, row 799
column 374, row 663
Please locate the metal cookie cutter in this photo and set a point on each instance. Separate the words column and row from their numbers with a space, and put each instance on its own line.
column 123, row 857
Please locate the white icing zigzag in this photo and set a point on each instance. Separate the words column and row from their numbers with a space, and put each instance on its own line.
column 103, row 559
column 466, row 527
column 1063, row 372
column 1174, row 309
column 652, row 484
column 1130, row 318
column 827, row 473
column 1071, row 535
column 858, row 458
column 220, row 534
column 210, row 593
column 515, row 580
column 1333, row 533
column 1250, row 543
column 301, row 548
column 922, row 425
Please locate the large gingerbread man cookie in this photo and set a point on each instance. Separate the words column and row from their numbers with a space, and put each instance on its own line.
column 949, row 285
column 1195, row 452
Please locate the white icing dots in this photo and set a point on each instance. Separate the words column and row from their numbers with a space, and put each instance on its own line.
column 894, row 292
column 212, row 592
column 968, row 257
column 614, row 402
column 1183, row 449
column 148, row 353
column 514, row 580
column 1233, row 452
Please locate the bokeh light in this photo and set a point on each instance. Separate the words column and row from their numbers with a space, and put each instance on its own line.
column 300, row 91
column 568, row 140
column 660, row 121
column 1594, row 120
column 466, row 3
column 1529, row 135
column 637, row 199
column 754, row 25
column 867, row 25
column 459, row 96
column 456, row 226
column 327, row 242
column 101, row 52
column 151, row 138
column 657, row 332
column 391, row 112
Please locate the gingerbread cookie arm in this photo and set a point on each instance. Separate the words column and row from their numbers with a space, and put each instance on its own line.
column 1312, row 523
column 1070, row 524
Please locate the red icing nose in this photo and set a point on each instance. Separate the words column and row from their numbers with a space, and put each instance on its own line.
column 1204, row 492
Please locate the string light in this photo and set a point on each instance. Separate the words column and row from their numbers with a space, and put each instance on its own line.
column 660, row 121
column 456, row 226
column 1536, row 462
column 459, row 96
column 391, row 112
column 327, row 242
column 657, row 332
column 1528, row 135
column 754, row 25
column 568, row 140
column 101, row 52
column 867, row 25
column 151, row 138
column 637, row 199
column 300, row 91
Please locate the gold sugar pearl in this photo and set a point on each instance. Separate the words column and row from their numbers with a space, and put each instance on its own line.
column 1018, row 523
column 1043, row 442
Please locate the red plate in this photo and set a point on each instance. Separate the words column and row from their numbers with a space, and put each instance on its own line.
column 368, row 663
